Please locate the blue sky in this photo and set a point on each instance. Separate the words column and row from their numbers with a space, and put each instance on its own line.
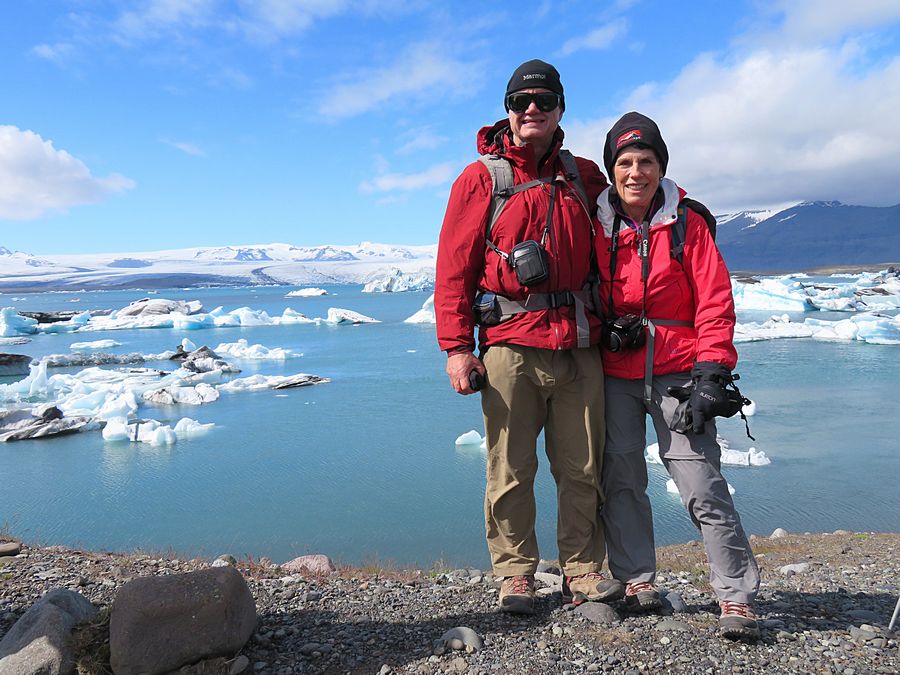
column 132, row 126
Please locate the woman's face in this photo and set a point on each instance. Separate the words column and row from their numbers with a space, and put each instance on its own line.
column 637, row 174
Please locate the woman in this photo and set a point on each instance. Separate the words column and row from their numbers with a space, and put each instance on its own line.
column 675, row 303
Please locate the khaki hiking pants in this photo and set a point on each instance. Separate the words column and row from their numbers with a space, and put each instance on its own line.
column 561, row 392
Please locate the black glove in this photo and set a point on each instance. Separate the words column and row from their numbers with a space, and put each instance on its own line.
column 709, row 397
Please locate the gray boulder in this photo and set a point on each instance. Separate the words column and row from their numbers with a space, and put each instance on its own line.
column 37, row 644
column 598, row 612
column 158, row 624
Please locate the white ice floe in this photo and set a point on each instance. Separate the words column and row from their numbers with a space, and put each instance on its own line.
column 751, row 457
column 337, row 315
column 12, row 323
column 870, row 291
column 673, row 489
column 152, row 431
column 185, row 395
column 96, row 344
column 242, row 350
column 258, row 382
column 14, row 340
column 306, row 293
column 867, row 327
column 424, row 315
column 396, row 281
column 778, row 294
column 469, row 438
column 157, row 306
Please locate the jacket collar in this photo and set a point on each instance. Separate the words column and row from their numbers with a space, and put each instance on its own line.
column 497, row 140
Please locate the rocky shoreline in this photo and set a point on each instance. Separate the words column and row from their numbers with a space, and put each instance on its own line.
column 825, row 604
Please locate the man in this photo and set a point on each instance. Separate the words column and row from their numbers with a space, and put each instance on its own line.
column 527, row 269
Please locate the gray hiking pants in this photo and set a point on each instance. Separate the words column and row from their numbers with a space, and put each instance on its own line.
column 693, row 461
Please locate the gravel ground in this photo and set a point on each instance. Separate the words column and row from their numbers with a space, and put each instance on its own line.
column 827, row 613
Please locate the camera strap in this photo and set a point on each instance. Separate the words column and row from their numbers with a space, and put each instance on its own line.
column 650, row 324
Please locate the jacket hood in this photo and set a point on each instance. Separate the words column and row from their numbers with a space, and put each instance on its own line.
column 664, row 216
column 495, row 140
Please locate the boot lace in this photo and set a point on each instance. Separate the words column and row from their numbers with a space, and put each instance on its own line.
column 737, row 609
column 518, row 585
column 639, row 587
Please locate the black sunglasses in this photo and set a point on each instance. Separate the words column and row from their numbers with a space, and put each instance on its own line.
column 545, row 101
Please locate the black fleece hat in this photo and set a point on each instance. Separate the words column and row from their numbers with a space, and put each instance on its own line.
column 535, row 74
column 634, row 129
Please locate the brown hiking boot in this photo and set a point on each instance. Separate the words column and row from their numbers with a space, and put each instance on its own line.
column 738, row 621
column 642, row 597
column 517, row 595
column 593, row 587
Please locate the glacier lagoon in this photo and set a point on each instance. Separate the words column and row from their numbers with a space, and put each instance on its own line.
column 364, row 468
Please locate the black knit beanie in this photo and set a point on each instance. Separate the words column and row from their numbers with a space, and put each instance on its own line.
column 634, row 129
column 535, row 74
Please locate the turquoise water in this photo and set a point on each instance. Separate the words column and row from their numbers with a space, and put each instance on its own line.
column 365, row 468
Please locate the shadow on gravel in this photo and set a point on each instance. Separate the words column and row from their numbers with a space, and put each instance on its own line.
column 365, row 645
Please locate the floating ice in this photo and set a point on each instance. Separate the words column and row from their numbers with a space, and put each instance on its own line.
column 14, row 340
column 867, row 327
column 469, row 438
column 752, row 457
column 673, row 489
column 184, row 395
column 12, row 324
column 157, row 306
column 96, row 344
column 778, row 294
column 424, row 315
column 188, row 428
column 257, row 382
column 396, row 281
column 143, row 431
column 337, row 315
column 242, row 350
column 306, row 293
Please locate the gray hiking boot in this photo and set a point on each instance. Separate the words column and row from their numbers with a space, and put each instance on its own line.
column 738, row 621
column 517, row 595
column 593, row 587
column 642, row 597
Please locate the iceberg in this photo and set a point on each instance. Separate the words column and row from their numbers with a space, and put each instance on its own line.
column 752, row 457
column 258, row 382
column 673, row 489
column 337, row 315
column 96, row 344
column 397, row 281
column 306, row 293
column 424, row 315
column 13, row 324
column 469, row 438
column 776, row 294
column 242, row 350
column 867, row 327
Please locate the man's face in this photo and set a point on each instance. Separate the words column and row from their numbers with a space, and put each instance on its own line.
column 533, row 125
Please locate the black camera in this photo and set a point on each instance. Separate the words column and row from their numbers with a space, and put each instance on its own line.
column 487, row 309
column 624, row 332
column 529, row 260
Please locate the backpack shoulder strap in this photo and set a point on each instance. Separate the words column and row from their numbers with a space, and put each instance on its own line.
column 679, row 227
column 574, row 175
column 502, row 182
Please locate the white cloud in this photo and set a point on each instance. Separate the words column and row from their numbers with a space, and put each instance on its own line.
column 394, row 182
column 36, row 178
column 599, row 38
column 155, row 18
column 811, row 20
column 56, row 53
column 420, row 139
column 424, row 68
column 774, row 127
column 187, row 148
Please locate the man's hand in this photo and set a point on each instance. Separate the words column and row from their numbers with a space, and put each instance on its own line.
column 458, row 368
